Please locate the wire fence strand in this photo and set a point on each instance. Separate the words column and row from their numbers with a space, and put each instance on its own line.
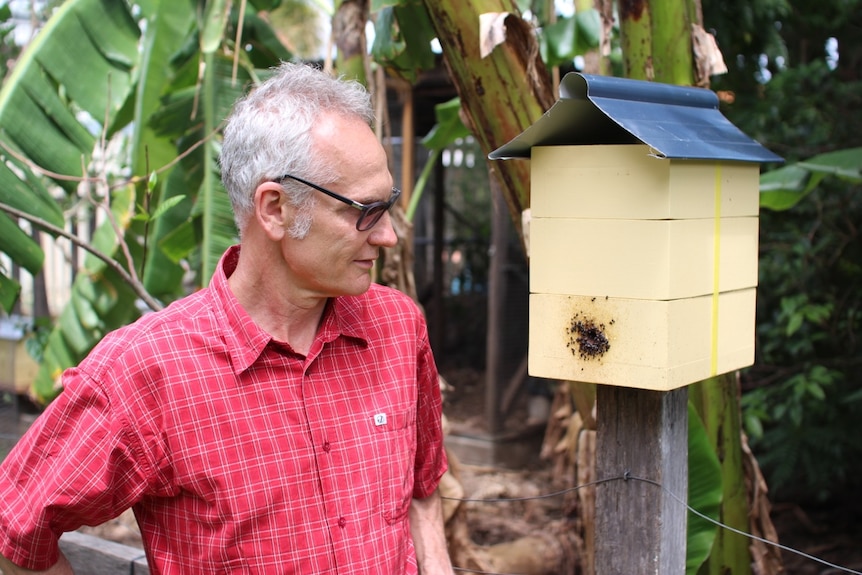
column 629, row 477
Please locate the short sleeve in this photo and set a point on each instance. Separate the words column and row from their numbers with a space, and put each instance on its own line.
column 75, row 466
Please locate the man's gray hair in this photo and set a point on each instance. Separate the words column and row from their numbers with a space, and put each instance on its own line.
column 268, row 134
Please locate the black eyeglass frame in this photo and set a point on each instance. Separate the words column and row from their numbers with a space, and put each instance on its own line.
column 364, row 209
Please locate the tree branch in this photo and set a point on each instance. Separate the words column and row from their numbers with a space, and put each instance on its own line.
column 136, row 285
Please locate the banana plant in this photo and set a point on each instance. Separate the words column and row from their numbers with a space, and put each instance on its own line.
column 783, row 188
column 158, row 76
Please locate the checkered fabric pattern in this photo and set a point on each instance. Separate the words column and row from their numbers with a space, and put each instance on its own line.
column 237, row 454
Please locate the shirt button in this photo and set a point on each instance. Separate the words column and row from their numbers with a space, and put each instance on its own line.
column 342, row 522
column 326, row 446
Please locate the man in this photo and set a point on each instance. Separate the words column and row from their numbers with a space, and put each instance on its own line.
column 286, row 419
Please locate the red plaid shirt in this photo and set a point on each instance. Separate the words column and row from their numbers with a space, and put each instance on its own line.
column 237, row 454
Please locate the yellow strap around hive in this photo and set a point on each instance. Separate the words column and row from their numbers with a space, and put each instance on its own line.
column 713, row 363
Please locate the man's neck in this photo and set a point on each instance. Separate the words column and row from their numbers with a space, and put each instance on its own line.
column 274, row 304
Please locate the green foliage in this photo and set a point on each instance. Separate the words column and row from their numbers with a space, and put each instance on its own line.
column 793, row 427
column 9, row 292
column 449, row 126
column 801, row 112
column 54, row 93
column 100, row 301
column 747, row 32
column 704, row 493
column 805, row 403
column 8, row 49
column 568, row 37
column 802, row 408
column 446, row 131
column 402, row 38
column 784, row 187
column 801, row 398
column 147, row 84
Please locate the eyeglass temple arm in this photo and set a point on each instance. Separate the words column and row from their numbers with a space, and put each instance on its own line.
column 340, row 198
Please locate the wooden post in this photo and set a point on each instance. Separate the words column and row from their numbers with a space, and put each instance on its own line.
column 640, row 528
column 436, row 325
column 408, row 145
column 495, row 338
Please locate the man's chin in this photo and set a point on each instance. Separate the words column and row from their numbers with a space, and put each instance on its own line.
column 358, row 287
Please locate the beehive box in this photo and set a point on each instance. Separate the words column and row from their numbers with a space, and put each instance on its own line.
column 643, row 236
column 642, row 269
column 617, row 221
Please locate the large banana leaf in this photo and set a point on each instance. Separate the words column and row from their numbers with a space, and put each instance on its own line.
column 783, row 188
column 704, row 493
column 78, row 68
column 100, row 300
column 402, row 37
column 199, row 97
column 179, row 88
column 170, row 26
column 204, row 228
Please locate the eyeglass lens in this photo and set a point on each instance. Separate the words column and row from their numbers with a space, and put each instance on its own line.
column 370, row 216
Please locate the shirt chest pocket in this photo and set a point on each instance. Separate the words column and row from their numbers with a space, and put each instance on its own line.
column 395, row 436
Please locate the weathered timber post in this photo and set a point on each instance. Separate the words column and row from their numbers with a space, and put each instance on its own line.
column 643, row 274
column 640, row 527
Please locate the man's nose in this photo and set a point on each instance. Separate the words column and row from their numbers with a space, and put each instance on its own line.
column 383, row 233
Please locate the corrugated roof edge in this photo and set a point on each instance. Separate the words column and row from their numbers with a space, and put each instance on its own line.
column 677, row 122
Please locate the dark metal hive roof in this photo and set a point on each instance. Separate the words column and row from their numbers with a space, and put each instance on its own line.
column 675, row 121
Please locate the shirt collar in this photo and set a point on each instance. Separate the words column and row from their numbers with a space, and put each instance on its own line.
column 245, row 340
column 347, row 316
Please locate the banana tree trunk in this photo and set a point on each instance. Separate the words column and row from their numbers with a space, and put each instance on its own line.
column 656, row 40
column 717, row 402
column 504, row 90
column 657, row 45
column 348, row 30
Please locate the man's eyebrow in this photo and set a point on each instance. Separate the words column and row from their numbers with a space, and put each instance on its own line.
column 371, row 196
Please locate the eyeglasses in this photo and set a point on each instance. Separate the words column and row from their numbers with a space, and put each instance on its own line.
column 369, row 214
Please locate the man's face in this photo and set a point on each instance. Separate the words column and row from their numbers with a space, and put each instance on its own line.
column 334, row 258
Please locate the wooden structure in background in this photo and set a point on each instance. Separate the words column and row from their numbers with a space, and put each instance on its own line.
column 91, row 555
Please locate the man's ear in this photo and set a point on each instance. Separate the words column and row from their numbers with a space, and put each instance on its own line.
column 271, row 210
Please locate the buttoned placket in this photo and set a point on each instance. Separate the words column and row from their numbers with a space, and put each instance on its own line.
column 326, row 458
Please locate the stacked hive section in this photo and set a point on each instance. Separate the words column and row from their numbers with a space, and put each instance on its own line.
column 643, row 269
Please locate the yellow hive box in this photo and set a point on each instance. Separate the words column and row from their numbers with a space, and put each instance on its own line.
column 617, row 221
column 643, row 238
column 658, row 256
column 644, row 259
column 629, row 182
column 646, row 344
